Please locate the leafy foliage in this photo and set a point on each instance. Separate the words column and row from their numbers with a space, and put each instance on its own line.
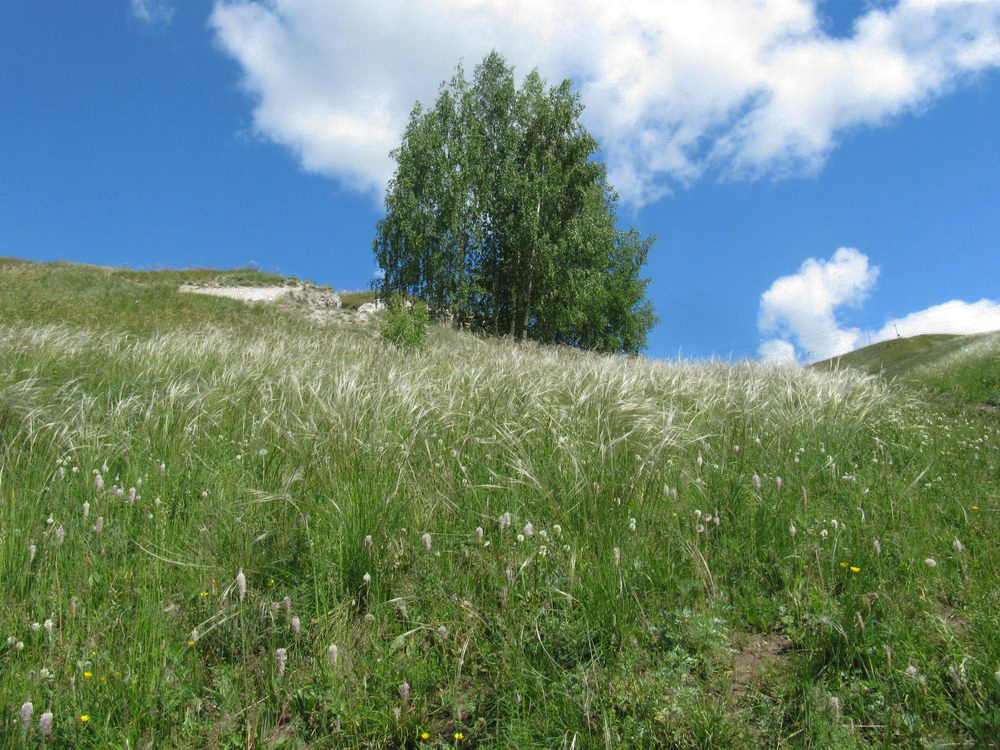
column 499, row 216
column 405, row 326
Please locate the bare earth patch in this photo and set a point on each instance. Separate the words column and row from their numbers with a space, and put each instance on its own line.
column 244, row 293
column 759, row 653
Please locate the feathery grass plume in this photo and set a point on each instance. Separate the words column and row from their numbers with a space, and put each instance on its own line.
column 26, row 710
column 99, row 525
column 60, row 535
column 98, row 483
column 426, row 538
column 957, row 545
column 86, row 510
column 404, row 690
column 332, row 654
column 791, row 529
column 45, row 724
column 241, row 584
column 73, row 602
column 756, row 480
column 504, row 520
column 32, row 549
column 282, row 657
column 878, row 546
column 616, row 556
column 296, row 625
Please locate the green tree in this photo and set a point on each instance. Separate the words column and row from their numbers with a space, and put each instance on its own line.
column 500, row 216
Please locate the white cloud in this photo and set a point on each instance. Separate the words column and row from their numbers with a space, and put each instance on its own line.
column 778, row 352
column 672, row 90
column 955, row 316
column 803, row 305
column 152, row 12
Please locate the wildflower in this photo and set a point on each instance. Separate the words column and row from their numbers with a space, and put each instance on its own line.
column 288, row 606
column 700, row 461
column 60, row 535
column 442, row 632
column 616, row 556
column 88, row 675
column 98, row 482
column 878, row 547
column 504, row 521
column 699, row 529
column 427, row 541
column 777, row 482
column 631, row 524
column 715, row 518
column 930, row 562
column 404, row 690
column 975, row 507
column 368, row 542
column 131, row 494
column 520, row 538
column 824, row 533
column 163, row 467
column 262, row 452
column 459, row 736
column 860, row 619
column 791, row 529
column 708, row 518
column 843, row 565
column 99, row 525
column 366, row 578
column 282, row 656
column 529, row 530
column 19, row 646
column 190, row 642
column 697, row 514
column 558, row 529
column 479, row 534
column 543, row 551
column 26, row 711
column 35, row 627
column 835, row 524
column 425, row 735
column 241, row 584
column 84, row 718
column 957, row 545
column 86, row 510
column 45, row 724
column 855, row 569
column 32, row 549
column 296, row 625
column 756, row 480
column 369, row 618
column 332, row 653
column 194, row 637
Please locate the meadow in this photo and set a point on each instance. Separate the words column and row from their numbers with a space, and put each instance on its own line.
column 222, row 526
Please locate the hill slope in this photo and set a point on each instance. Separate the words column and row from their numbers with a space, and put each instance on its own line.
column 964, row 368
column 227, row 525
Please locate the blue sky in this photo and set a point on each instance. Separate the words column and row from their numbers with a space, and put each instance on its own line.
column 152, row 134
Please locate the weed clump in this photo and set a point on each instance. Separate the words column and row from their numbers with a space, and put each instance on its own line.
column 405, row 324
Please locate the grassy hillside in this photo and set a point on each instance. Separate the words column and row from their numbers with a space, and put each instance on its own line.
column 508, row 546
column 965, row 369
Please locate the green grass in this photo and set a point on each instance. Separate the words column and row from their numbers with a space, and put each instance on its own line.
column 963, row 369
column 274, row 446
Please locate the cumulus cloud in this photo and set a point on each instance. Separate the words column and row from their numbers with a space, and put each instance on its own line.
column 778, row 352
column 152, row 12
column 674, row 91
column 804, row 305
column 955, row 316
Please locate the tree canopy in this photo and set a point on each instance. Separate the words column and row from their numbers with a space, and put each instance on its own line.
column 500, row 216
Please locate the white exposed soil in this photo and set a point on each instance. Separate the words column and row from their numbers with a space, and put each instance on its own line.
column 244, row 293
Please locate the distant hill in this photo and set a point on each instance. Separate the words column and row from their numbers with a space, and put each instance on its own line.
column 966, row 368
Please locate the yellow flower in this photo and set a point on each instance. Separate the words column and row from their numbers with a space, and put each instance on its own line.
column 843, row 565
column 204, row 593
column 190, row 642
column 270, row 582
column 855, row 569
column 84, row 718
column 425, row 735
column 975, row 507
column 459, row 736
column 88, row 675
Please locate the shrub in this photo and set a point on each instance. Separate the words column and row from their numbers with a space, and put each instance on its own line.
column 405, row 324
